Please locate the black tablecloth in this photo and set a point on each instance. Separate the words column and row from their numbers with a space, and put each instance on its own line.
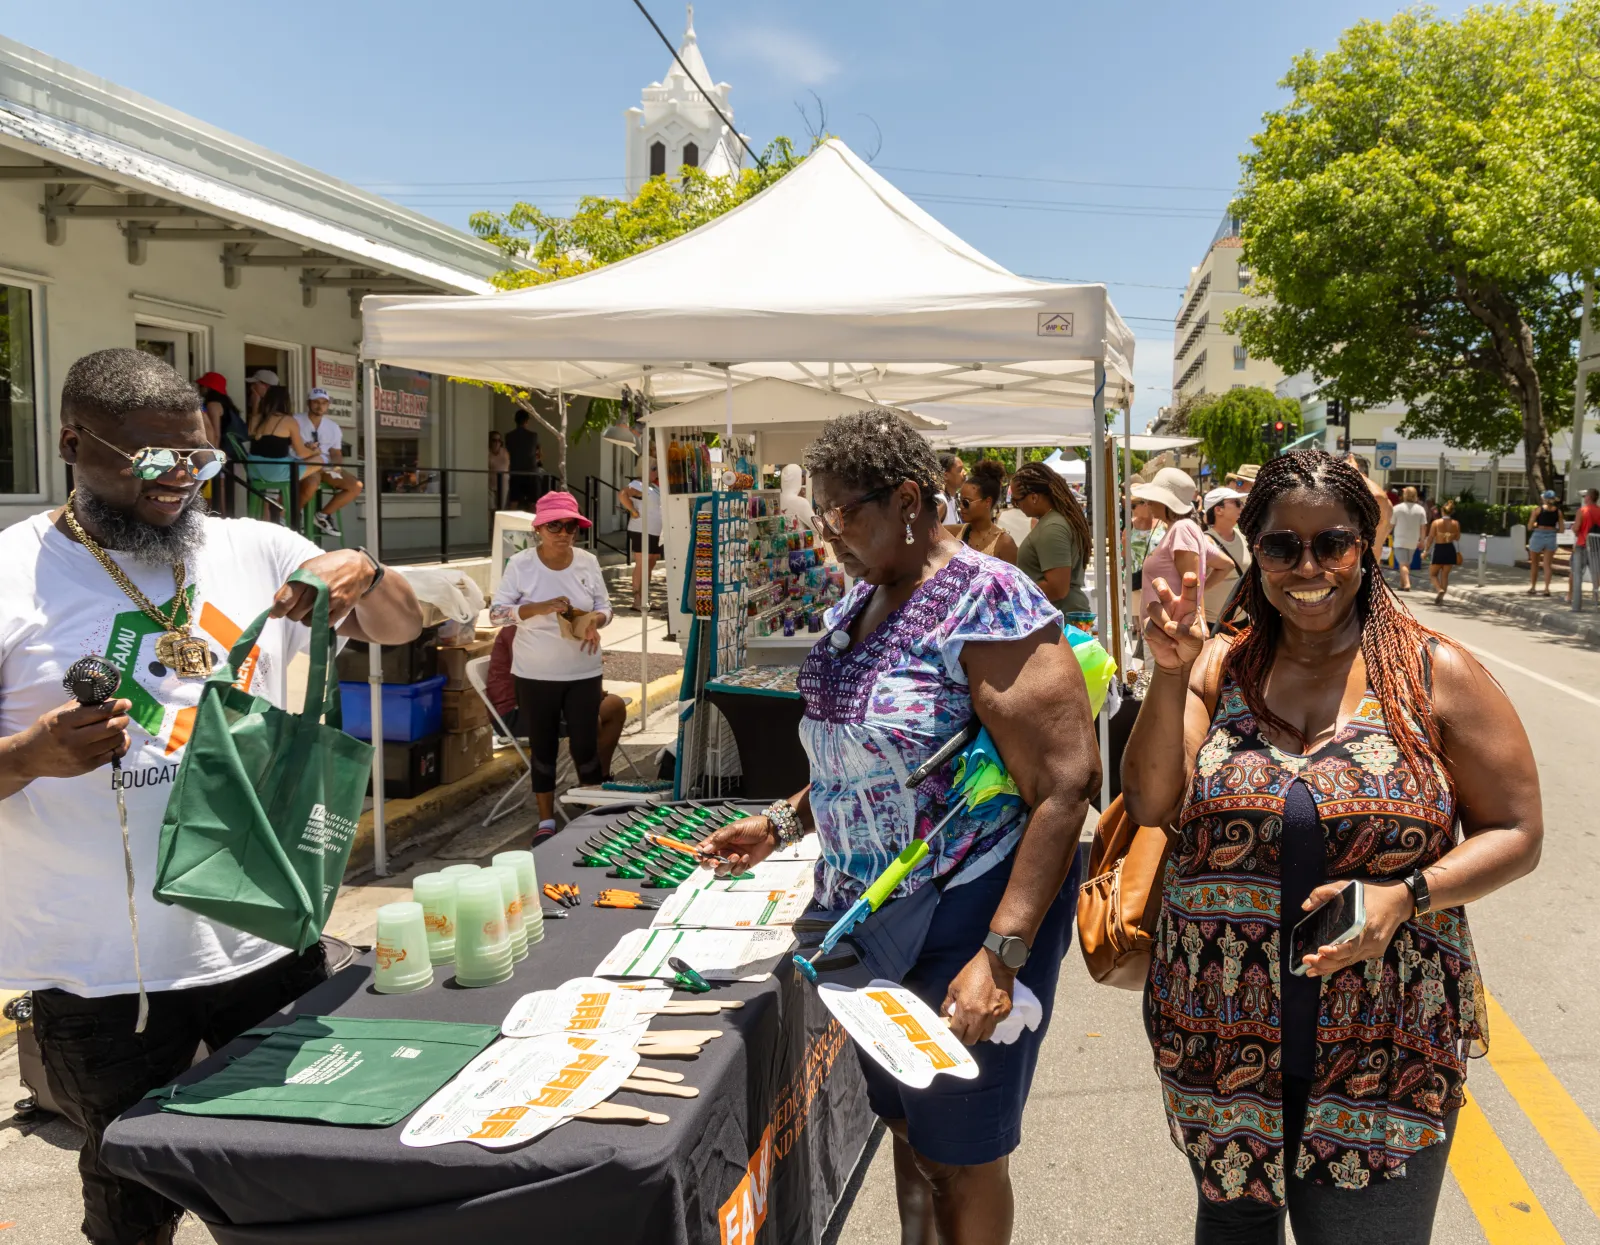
column 782, row 1083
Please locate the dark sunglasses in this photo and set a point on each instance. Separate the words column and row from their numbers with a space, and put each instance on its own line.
column 151, row 462
column 963, row 502
column 1334, row 548
column 567, row 527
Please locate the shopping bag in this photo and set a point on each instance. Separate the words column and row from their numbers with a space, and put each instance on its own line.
column 263, row 811
column 335, row 1070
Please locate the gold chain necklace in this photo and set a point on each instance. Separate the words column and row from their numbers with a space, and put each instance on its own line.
column 175, row 647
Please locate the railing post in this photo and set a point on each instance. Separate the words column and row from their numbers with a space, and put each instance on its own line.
column 291, row 515
column 444, row 515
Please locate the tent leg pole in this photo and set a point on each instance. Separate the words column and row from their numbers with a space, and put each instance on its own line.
column 1101, row 569
column 374, row 500
column 1131, row 613
column 644, row 566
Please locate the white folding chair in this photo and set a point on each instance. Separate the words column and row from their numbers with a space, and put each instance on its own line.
column 477, row 675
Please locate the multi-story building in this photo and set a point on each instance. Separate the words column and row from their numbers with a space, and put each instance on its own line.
column 1206, row 358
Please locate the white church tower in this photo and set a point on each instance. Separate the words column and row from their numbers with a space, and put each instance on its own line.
column 675, row 126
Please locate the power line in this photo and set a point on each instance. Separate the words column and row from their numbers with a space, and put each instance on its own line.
column 639, row 4
column 1053, row 181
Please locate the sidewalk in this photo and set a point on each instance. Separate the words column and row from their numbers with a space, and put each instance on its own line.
column 1505, row 592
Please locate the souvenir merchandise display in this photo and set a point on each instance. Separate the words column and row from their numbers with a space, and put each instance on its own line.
column 789, row 583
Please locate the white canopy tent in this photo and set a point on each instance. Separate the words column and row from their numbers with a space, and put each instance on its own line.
column 829, row 278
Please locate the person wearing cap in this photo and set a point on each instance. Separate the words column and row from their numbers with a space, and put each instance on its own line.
column 320, row 432
column 1170, row 495
column 555, row 596
column 1229, row 551
column 255, row 389
column 1548, row 523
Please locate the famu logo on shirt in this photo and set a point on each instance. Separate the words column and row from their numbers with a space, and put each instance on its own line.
column 131, row 648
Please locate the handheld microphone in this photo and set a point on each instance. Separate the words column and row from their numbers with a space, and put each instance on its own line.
column 93, row 681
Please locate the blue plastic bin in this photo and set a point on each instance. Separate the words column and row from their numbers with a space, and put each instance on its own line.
column 411, row 711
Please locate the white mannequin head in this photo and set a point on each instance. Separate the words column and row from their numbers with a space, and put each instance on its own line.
column 790, row 479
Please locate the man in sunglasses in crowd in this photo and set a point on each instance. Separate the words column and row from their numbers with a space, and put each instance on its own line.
column 132, row 570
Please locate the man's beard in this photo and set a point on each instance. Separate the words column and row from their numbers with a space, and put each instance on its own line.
column 141, row 541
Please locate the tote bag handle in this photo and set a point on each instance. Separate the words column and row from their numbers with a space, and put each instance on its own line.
column 322, row 696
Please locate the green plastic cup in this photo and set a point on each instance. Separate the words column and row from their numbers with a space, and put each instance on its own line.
column 460, row 871
column 516, row 927
column 528, row 887
column 436, row 892
column 402, row 955
column 483, row 946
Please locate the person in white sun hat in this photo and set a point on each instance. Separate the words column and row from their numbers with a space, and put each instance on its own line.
column 1170, row 496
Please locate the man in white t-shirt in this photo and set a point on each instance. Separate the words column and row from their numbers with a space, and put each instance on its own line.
column 133, row 431
column 633, row 501
column 955, row 475
column 317, row 430
column 1410, row 521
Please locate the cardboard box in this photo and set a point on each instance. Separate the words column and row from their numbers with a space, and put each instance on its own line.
column 453, row 661
column 464, row 752
column 464, row 711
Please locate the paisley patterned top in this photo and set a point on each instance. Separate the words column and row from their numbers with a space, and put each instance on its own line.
column 1392, row 1034
column 883, row 706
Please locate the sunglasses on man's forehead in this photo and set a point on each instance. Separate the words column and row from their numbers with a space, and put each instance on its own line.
column 1334, row 548
column 153, row 462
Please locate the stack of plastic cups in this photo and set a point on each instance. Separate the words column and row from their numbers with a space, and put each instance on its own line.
column 404, row 964
column 460, row 871
column 511, row 887
column 436, row 892
column 528, row 885
column 483, row 946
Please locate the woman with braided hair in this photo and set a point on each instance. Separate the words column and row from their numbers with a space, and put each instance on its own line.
column 1055, row 553
column 1348, row 744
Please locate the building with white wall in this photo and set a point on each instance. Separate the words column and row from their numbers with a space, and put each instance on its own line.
column 1206, row 358
column 126, row 223
column 675, row 126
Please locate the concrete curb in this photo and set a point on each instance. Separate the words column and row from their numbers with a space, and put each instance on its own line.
column 1563, row 620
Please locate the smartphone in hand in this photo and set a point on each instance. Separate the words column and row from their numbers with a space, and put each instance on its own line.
column 1339, row 920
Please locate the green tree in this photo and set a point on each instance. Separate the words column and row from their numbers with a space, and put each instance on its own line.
column 1422, row 213
column 540, row 247
column 1229, row 425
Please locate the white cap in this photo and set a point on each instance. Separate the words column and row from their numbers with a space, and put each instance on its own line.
column 1219, row 495
column 265, row 375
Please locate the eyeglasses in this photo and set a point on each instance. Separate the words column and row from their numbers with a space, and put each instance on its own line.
column 963, row 502
column 567, row 527
column 1334, row 548
column 151, row 463
column 834, row 517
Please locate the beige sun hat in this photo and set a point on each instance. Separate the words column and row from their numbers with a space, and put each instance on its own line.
column 1172, row 487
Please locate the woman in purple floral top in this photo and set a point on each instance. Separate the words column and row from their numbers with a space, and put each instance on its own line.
column 932, row 635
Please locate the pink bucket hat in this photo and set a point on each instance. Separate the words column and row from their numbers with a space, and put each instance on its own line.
column 556, row 506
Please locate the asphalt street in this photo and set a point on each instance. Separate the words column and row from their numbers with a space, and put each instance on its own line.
column 1096, row 1164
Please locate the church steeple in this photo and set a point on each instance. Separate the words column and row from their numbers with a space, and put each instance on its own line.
column 675, row 125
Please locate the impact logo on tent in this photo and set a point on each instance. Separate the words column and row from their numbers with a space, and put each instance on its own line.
column 1055, row 324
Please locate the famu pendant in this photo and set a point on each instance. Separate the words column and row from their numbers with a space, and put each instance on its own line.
column 186, row 656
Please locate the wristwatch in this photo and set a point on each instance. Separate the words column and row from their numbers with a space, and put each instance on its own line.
column 378, row 569
column 1417, row 884
column 1012, row 952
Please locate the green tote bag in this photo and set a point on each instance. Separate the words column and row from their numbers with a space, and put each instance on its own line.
column 264, row 808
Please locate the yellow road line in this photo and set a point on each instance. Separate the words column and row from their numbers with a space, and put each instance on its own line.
column 1501, row 1199
column 1569, row 1133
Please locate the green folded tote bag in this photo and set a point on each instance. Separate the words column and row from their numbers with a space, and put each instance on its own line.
column 264, row 808
column 335, row 1070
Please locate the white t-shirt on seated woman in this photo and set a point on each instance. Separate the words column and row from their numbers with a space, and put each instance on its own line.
column 540, row 651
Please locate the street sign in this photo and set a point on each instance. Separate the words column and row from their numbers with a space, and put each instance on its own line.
column 1483, row 544
column 1385, row 452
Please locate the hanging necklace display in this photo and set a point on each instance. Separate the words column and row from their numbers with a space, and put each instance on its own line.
column 182, row 653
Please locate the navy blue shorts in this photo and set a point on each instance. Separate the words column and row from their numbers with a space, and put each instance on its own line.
column 965, row 1123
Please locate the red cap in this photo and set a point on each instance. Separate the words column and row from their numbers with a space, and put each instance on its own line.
column 214, row 380
column 556, row 506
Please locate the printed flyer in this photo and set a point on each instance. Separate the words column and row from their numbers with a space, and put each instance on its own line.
column 900, row 1032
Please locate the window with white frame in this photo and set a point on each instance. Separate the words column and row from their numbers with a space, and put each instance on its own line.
column 1240, row 357
column 19, row 395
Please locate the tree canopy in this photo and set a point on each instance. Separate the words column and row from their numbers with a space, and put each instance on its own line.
column 1424, row 213
column 1229, row 425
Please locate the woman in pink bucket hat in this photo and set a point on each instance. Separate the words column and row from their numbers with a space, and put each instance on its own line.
column 555, row 596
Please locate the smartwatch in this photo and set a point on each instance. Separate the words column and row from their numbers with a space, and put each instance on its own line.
column 378, row 569
column 1417, row 884
column 1012, row 952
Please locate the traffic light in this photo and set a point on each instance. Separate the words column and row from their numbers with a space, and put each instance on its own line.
column 1274, row 433
column 1335, row 413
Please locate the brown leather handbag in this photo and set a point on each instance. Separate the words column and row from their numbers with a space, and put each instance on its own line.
column 1120, row 902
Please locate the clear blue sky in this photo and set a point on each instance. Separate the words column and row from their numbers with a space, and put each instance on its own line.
column 1128, row 118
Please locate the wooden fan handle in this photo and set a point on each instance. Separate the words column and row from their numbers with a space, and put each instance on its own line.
column 651, row 1051
column 661, row 1087
column 642, row 1073
column 607, row 1111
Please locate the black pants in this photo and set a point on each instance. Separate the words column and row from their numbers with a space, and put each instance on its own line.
column 542, row 705
column 100, row 1068
column 1386, row 1212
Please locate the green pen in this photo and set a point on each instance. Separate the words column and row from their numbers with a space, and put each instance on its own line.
column 687, row 978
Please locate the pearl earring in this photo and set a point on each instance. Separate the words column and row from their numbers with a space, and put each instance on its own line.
column 911, row 538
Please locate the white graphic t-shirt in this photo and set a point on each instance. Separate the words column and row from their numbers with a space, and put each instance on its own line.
column 63, row 892
column 326, row 436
